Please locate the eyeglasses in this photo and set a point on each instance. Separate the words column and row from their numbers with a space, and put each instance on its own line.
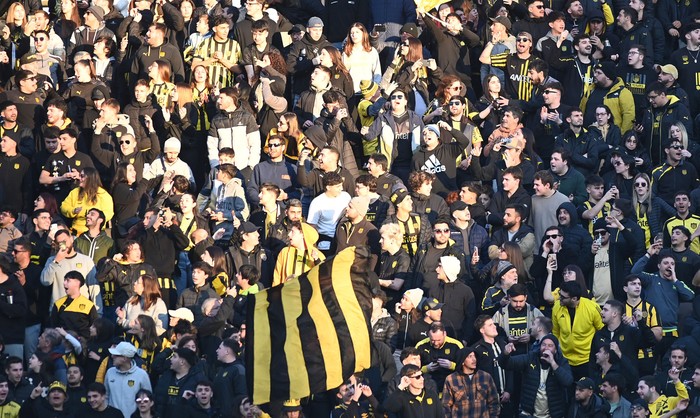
column 676, row 147
column 640, row 184
column 456, row 88
column 553, row 236
column 633, row 53
column 455, row 103
column 126, row 141
column 441, row 231
column 275, row 145
column 397, row 96
column 417, row 376
column 139, row 400
column 522, row 39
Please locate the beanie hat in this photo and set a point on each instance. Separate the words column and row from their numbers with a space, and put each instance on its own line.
column 450, row 265
column 360, row 204
column 172, row 144
column 433, row 128
column 415, row 296
column 503, row 268
column 368, row 88
column 552, row 338
column 608, row 68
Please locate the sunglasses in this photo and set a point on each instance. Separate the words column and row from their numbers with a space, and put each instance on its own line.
column 417, row 376
column 443, row 230
column 397, row 96
column 522, row 39
column 455, row 103
column 139, row 400
column 126, row 141
column 676, row 147
column 601, row 233
column 456, row 88
column 553, row 236
column 274, row 145
column 539, row 6
column 640, row 184
column 40, row 39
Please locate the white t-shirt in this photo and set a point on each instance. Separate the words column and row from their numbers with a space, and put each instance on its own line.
column 324, row 212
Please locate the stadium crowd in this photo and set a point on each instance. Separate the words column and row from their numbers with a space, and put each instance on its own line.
column 522, row 171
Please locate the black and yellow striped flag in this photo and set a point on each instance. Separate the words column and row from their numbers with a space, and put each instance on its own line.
column 309, row 334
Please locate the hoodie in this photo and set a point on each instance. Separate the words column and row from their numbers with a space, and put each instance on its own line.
column 300, row 62
column 122, row 387
column 292, row 261
column 576, row 238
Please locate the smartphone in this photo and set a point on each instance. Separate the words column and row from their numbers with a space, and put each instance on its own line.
column 379, row 28
column 659, row 237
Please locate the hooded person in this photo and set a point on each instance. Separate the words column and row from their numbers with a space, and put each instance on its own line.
column 300, row 256
column 459, row 302
column 544, row 373
column 576, row 238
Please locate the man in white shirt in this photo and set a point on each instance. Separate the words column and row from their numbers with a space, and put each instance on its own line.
column 327, row 208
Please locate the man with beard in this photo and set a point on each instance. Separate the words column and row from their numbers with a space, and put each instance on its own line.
column 518, row 317
column 428, row 256
column 665, row 110
column 157, row 48
column 13, row 129
column 515, row 229
column 611, row 390
column 576, row 238
column 439, row 353
column 586, row 401
column 678, row 359
column 545, row 372
column 576, row 72
column 515, row 66
column 668, row 76
column 662, row 405
column 547, row 121
column 610, row 91
column 637, row 76
column 665, row 292
column 477, row 382
column 460, row 304
column 575, row 320
column 626, row 337
column 583, row 144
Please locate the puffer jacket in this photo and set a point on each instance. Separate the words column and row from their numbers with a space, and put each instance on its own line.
column 621, row 103
column 384, row 127
column 230, row 199
column 237, row 130
column 557, row 380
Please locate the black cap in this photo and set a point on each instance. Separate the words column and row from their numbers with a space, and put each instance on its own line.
column 585, row 383
column 247, row 227
column 296, row 29
column 431, row 304
column 458, row 205
column 599, row 224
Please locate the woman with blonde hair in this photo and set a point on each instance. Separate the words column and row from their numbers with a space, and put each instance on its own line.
column 146, row 300
column 20, row 31
column 360, row 58
column 89, row 195
column 650, row 210
column 78, row 96
column 691, row 149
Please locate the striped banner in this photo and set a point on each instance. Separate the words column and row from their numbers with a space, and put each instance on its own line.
column 308, row 335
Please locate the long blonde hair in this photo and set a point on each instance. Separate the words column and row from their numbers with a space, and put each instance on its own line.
column 643, row 205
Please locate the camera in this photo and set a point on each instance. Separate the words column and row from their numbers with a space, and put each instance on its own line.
column 506, row 141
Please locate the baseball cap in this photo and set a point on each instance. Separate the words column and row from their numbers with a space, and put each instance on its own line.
column 669, row 69
column 585, row 383
column 182, row 313
column 431, row 304
column 123, row 349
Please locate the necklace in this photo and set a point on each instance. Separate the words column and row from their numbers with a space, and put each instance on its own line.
column 695, row 58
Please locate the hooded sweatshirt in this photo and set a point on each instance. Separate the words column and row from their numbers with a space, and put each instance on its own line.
column 576, row 238
column 292, row 261
column 122, row 387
